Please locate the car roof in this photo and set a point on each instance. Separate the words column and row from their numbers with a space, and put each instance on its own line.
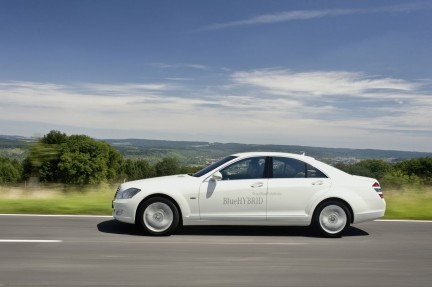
column 281, row 154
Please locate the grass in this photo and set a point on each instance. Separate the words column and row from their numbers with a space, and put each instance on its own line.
column 401, row 203
column 57, row 200
column 409, row 203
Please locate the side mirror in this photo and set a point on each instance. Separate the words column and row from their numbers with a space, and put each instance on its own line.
column 216, row 176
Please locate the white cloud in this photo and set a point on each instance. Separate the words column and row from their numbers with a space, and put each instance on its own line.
column 321, row 108
column 318, row 83
column 282, row 17
column 182, row 65
column 287, row 16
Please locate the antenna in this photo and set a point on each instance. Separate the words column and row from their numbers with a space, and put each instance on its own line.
column 302, row 153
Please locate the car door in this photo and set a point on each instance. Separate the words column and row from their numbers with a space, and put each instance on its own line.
column 240, row 195
column 292, row 187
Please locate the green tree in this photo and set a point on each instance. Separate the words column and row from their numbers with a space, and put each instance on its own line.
column 398, row 179
column 137, row 169
column 167, row 166
column 10, row 171
column 421, row 167
column 370, row 167
column 76, row 159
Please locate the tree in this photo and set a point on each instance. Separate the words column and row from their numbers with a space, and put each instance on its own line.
column 137, row 169
column 10, row 171
column 76, row 159
column 168, row 166
column 421, row 167
column 370, row 167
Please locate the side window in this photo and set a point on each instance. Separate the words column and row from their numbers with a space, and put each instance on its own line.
column 245, row 169
column 314, row 172
column 288, row 168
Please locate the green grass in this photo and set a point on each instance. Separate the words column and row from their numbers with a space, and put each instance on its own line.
column 409, row 203
column 401, row 204
column 54, row 200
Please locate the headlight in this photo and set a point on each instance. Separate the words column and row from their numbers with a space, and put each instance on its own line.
column 127, row 193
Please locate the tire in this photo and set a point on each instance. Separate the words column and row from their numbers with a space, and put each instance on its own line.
column 331, row 218
column 158, row 216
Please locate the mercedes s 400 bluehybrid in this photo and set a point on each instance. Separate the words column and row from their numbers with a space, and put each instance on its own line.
column 259, row 188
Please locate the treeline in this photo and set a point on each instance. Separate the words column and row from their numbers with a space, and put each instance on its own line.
column 79, row 159
column 413, row 172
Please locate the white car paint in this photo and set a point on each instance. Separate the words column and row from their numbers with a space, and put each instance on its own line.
column 262, row 201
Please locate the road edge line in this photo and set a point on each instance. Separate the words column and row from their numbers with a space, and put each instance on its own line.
column 56, row 215
column 110, row 216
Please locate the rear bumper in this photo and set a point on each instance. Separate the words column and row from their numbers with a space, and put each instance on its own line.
column 371, row 214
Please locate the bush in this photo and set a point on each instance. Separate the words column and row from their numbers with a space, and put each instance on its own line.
column 10, row 171
column 397, row 179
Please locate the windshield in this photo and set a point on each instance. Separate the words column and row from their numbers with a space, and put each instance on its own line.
column 213, row 166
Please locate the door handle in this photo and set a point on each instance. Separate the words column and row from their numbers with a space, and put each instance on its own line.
column 257, row 184
column 318, row 182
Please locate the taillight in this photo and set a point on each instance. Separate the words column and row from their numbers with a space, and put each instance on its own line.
column 377, row 188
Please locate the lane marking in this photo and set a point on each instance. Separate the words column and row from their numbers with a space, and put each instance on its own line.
column 110, row 216
column 404, row 220
column 57, row 215
column 226, row 243
column 196, row 242
column 29, row 241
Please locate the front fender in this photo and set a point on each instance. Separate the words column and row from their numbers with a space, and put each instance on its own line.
column 177, row 197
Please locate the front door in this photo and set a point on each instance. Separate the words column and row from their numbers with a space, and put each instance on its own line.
column 239, row 196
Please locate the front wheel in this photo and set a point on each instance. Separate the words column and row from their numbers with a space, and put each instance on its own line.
column 331, row 218
column 158, row 216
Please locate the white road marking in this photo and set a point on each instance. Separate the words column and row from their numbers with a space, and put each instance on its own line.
column 194, row 242
column 224, row 243
column 57, row 215
column 29, row 241
column 404, row 220
column 110, row 216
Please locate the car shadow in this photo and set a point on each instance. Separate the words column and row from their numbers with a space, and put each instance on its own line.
column 115, row 227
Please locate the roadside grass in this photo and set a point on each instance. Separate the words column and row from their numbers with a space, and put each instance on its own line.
column 95, row 200
column 404, row 203
column 408, row 203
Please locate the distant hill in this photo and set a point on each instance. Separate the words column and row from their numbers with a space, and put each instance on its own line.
column 14, row 147
column 202, row 153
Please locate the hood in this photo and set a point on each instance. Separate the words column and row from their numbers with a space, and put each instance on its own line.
column 171, row 180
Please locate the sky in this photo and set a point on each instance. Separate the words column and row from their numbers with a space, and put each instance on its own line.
column 354, row 74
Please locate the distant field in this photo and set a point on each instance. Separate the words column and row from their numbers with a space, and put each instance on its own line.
column 401, row 204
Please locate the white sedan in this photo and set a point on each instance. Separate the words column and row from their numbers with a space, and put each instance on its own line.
column 258, row 188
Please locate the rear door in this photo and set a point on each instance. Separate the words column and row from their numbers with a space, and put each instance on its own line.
column 292, row 186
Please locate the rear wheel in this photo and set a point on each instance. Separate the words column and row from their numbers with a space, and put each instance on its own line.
column 332, row 218
column 158, row 216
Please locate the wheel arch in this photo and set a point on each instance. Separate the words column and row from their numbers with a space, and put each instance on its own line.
column 170, row 198
column 337, row 199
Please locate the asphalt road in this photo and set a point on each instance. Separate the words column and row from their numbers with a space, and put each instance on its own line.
column 80, row 251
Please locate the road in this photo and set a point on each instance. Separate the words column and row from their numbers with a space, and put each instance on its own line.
column 96, row 251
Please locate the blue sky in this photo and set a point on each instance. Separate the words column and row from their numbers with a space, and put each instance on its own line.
column 322, row 73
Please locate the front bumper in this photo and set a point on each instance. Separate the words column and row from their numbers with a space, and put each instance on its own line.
column 122, row 211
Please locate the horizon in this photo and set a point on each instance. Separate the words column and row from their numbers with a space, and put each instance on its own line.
column 218, row 142
column 338, row 73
